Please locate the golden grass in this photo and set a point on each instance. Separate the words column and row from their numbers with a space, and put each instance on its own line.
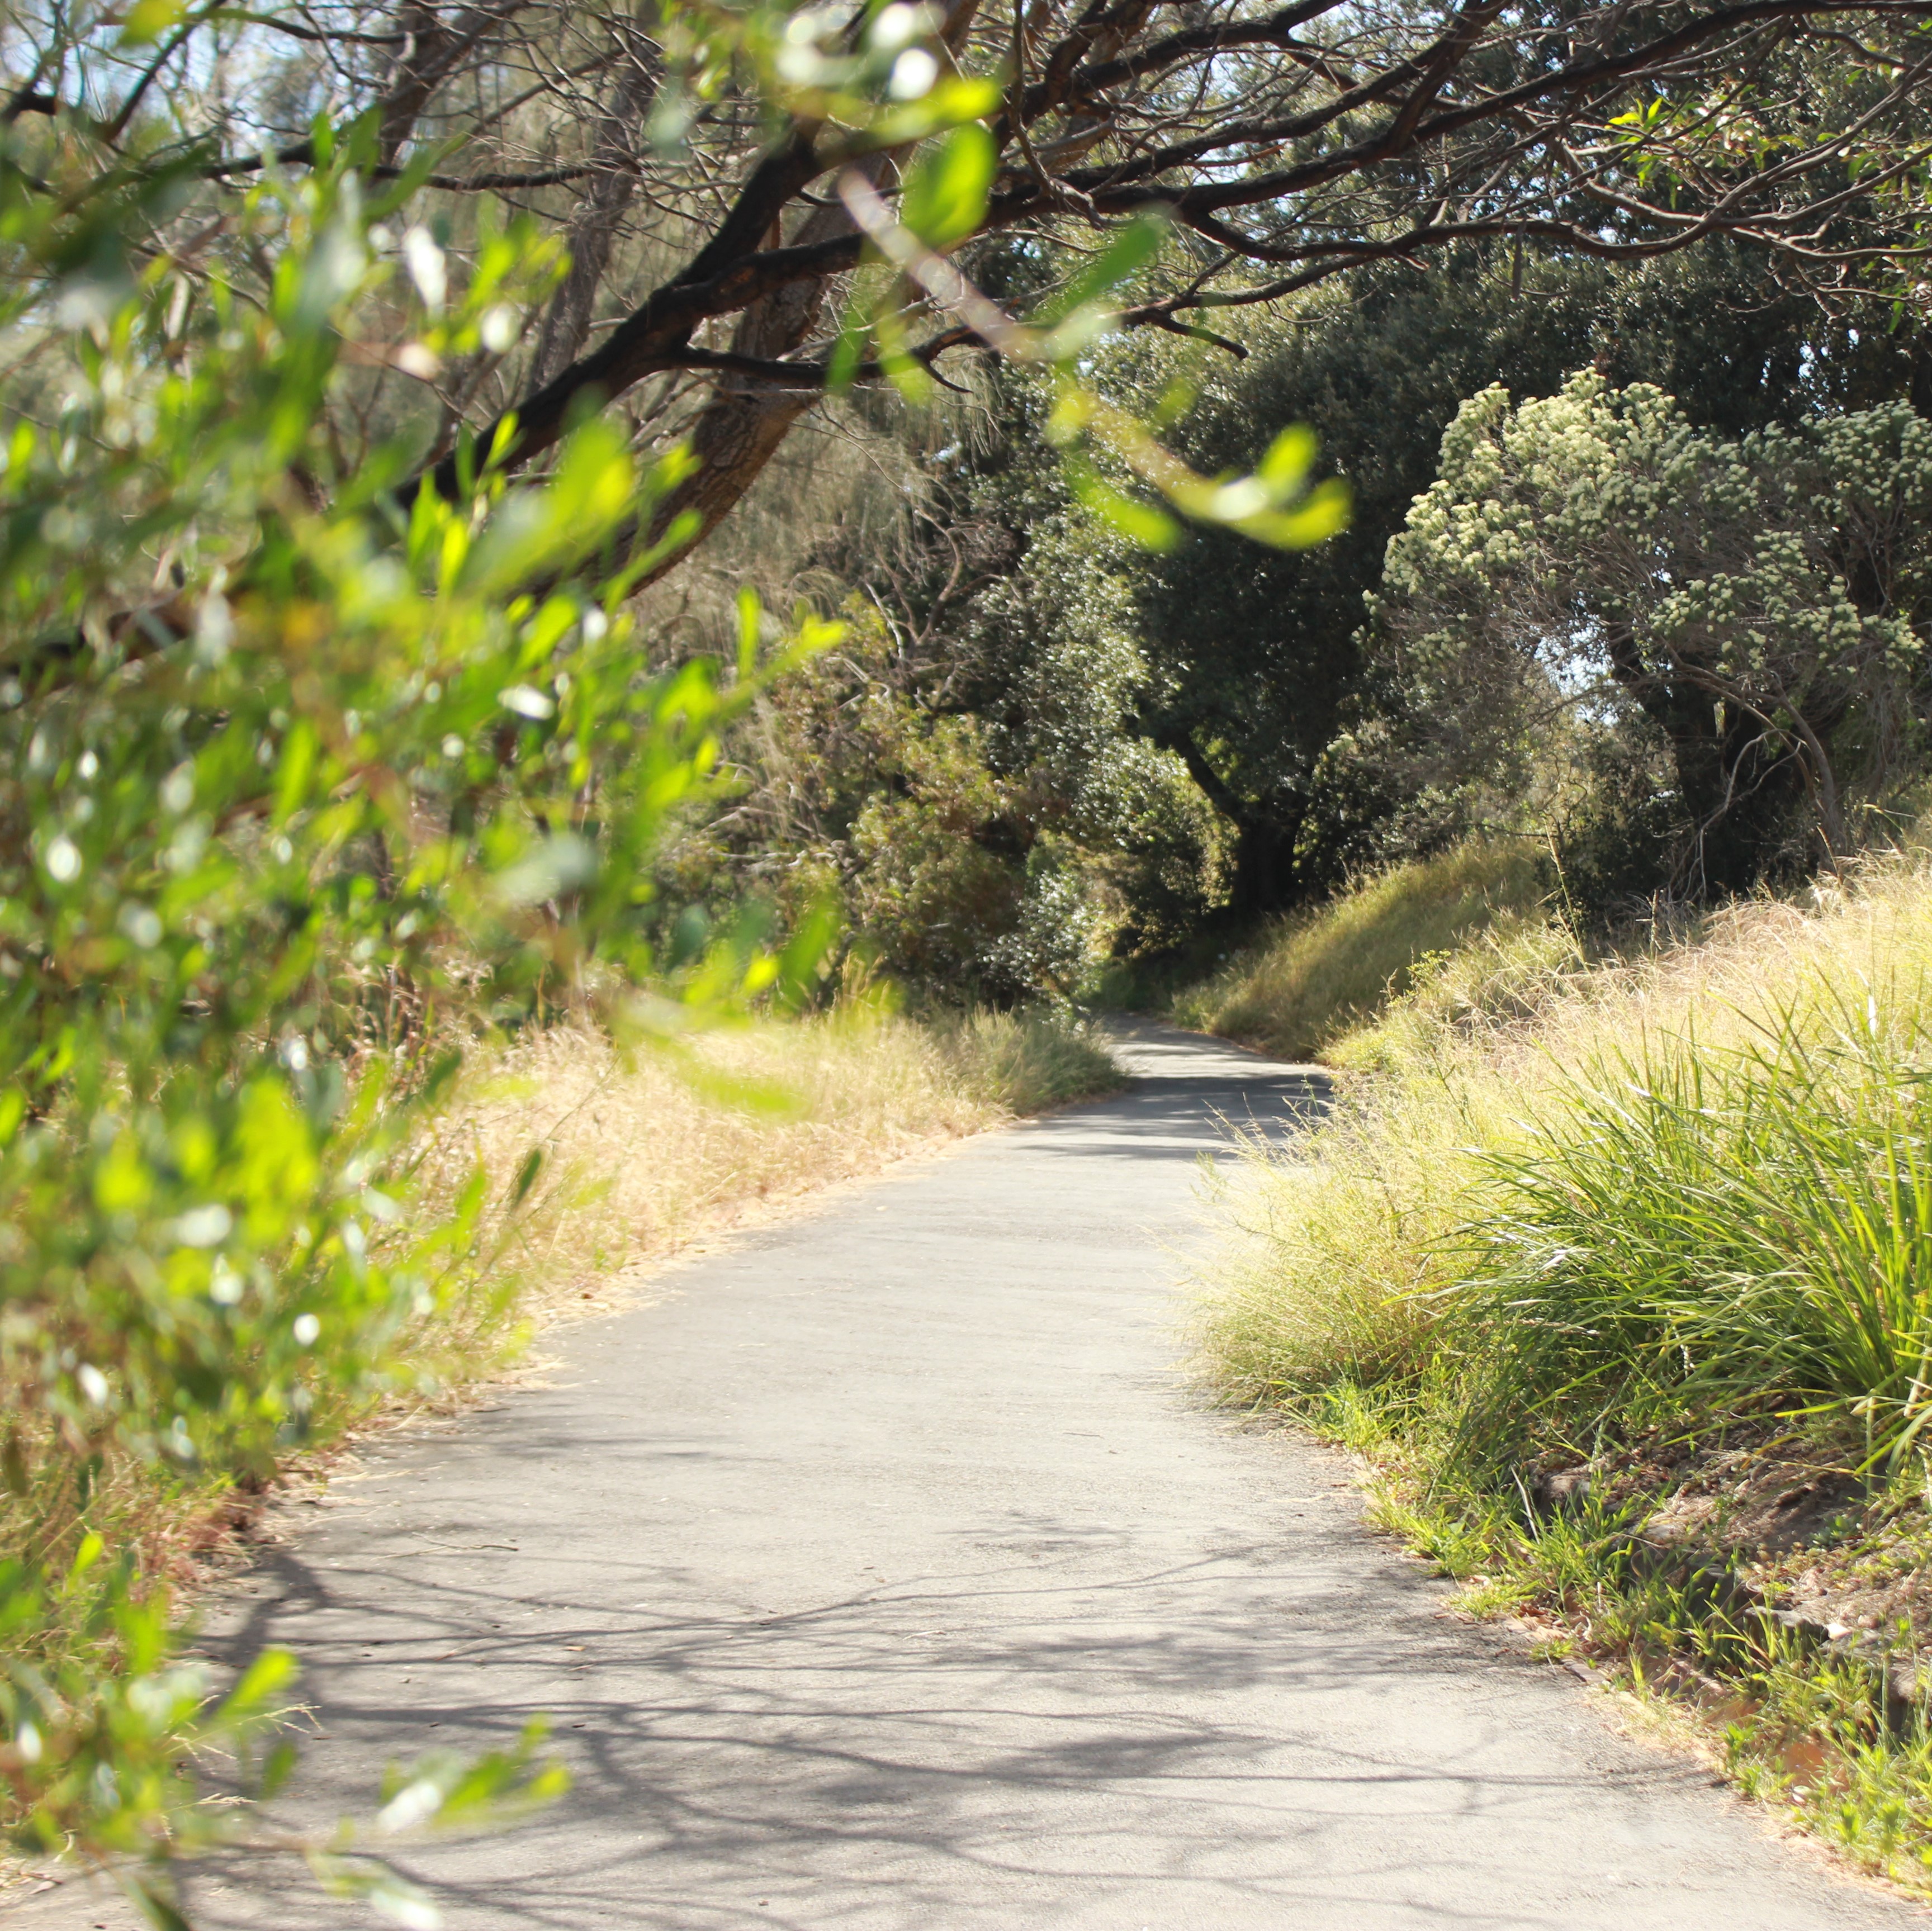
column 1318, row 975
column 1392, row 1279
column 1335, row 1244
column 643, row 1151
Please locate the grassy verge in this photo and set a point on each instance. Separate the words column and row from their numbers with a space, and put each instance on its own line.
column 1621, row 1276
column 641, row 1153
column 1313, row 977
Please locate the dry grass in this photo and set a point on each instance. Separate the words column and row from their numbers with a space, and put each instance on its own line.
column 1317, row 974
column 1652, row 1217
column 641, row 1152
column 1334, row 1242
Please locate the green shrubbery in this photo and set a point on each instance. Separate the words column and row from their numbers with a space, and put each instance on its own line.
column 295, row 798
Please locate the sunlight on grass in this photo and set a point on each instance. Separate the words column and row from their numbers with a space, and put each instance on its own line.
column 1317, row 974
column 640, row 1152
column 1666, row 1217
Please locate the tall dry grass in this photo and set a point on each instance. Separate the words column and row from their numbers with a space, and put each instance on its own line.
column 641, row 1151
column 1317, row 976
column 1472, row 1152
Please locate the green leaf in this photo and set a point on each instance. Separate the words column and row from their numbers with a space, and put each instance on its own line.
column 527, row 1170
column 297, row 765
column 160, row 1912
column 945, row 196
column 1072, row 309
column 1142, row 523
column 84, row 1557
column 403, row 1903
column 147, row 20
column 1326, row 513
column 955, row 99
column 1290, row 457
column 750, row 611
column 277, row 1767
column 271, row 1672
column 849, row 351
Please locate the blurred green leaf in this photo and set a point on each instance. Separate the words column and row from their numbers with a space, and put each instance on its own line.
column 945, row 196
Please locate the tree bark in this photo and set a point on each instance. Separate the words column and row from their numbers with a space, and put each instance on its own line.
column 740, row 430
column 1265, row 877
column 593, row 231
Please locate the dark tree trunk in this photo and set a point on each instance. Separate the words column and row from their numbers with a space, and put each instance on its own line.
column 1266, row 878
column 1743, row 793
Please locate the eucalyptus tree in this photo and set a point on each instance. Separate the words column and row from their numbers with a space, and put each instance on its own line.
column 723, row 174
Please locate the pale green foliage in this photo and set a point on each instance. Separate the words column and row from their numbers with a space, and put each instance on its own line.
column 1594, row 544
column 271, row 840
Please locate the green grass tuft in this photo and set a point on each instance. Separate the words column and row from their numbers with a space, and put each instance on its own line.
column 1668, row 1216
column 1027, row 1060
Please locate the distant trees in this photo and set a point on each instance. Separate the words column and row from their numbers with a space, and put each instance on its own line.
column 703, row 167
column 1760, row 604
column 1251, row 669
column 1258, row 674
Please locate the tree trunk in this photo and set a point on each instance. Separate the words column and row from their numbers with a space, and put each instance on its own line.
column 741, row 430
column 593, row 232
column 1265, row 878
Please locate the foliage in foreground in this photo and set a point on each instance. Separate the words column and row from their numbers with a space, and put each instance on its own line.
column 313, row 775
column 1652, row 1234
column 295, row 797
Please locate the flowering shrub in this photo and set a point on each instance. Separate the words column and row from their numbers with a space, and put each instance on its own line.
column 1759, row 601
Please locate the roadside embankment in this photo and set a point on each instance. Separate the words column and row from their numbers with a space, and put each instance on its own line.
column 1310, row 979
column 1619, row 1275
column 640, row 1152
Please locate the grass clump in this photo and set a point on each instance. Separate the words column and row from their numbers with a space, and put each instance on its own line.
column 1318, row 975
column 1621, row 1276
column 1026, row 1061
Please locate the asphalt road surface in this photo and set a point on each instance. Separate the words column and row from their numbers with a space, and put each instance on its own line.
column 887, row 1575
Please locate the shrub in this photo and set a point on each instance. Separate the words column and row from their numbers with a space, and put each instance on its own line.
column 274, row 836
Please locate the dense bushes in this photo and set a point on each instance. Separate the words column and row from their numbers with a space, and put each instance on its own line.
column 296, row 799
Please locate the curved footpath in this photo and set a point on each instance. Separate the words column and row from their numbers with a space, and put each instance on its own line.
column 886, row 1578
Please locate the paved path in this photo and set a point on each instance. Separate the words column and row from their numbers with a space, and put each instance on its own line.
column 886, row 1579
